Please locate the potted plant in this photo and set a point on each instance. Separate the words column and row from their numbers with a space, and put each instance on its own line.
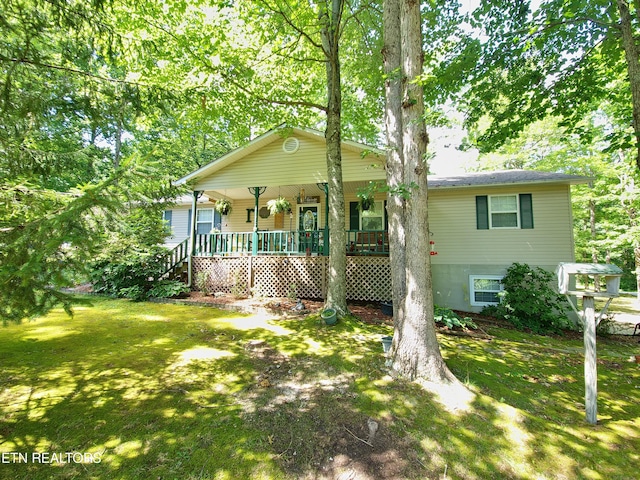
column 223, row 206
column 366, row 201
column 329, row 315
column 279, row 205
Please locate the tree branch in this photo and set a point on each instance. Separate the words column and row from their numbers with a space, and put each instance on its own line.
column 229, row 78
column 62, row 68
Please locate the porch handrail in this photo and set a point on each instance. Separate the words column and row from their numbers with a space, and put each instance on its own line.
column 289, row 242
column 367, row 242
column 270, row 242
column 176, row 257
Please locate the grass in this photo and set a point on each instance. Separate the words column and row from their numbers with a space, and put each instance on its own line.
column 168, row 391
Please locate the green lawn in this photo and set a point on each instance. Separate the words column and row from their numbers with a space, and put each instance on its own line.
column 167, row 391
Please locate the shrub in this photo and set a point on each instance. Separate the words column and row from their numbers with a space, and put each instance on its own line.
column 202, row 282
column 131, row 275
column 529, row 301
column 451, row 319
column 167, row 289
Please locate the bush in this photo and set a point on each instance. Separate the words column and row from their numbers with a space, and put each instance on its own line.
column 167, row 289
column 451, row 319
column 529, row 301
column 131, row 276
column 202, row 282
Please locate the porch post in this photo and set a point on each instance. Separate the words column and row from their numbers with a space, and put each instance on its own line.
column 256, row 191
column 192, row 234
column 325, row 245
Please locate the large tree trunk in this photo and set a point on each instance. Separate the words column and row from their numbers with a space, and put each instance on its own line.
column 336, row 280
column 395, row 161
column 415, row 351
column 632, row 55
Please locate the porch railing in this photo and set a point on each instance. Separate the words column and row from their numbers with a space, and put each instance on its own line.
column 276, row 242
column 285, row 242
column 175, row 258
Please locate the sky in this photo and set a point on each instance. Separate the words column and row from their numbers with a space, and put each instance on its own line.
column 448, row 160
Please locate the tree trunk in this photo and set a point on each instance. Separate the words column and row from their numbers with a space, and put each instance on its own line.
column 632, row 55
column 336, row 279
column 415, row 351
column 395, row 161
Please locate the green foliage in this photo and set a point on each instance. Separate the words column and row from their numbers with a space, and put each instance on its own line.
column 202, row 282
column 239, row 289
column 451, row 319
column 528, row 300
column 47, row 238
column 167, row 289
column 279, row 205
column 132, row 275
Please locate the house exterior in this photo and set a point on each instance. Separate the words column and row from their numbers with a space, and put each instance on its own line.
column 480, row 223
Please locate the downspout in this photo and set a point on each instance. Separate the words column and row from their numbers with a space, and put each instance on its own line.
column 192, row 235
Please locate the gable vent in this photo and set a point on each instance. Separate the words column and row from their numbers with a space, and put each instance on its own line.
column 290, row 145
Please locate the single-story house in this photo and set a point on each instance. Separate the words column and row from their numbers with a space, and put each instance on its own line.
column 480, row 223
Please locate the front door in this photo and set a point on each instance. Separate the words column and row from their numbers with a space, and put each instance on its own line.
column 308, row 227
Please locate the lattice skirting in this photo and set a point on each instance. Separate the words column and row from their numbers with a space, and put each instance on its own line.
column 368, row 278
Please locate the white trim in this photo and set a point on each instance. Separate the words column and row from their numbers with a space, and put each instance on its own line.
column 376, row 212
column 517, row 211
column 472, row 289
column 203, row 222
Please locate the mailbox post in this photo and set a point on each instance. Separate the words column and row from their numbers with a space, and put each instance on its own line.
column 566, row 273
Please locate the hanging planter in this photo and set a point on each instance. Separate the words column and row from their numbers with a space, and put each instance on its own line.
column 279, row 205
column 223, row 206
column 366, row 202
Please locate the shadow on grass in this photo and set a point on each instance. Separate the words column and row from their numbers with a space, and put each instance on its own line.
column 162, row 391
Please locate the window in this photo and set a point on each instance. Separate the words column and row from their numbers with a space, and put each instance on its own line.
column 484, row 289
column 204, row 221
column 504, row 211
column 373, row 219
column 167, row 216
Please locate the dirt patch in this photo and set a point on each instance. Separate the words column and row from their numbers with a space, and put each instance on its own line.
column 312, row 428
column 367, row 312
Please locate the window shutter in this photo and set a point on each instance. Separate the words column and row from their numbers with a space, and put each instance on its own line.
column 217, row 219
column 526, row 211
column 386, row 217
column 482, row 212
column 189, row 223
column 168, row 217
column 354, row 216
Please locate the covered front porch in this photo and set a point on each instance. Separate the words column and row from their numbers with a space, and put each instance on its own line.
column 272, row 261
column 276, row 252
column 250, row 228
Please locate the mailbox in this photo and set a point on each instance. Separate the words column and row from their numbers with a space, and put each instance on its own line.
column 610, row 273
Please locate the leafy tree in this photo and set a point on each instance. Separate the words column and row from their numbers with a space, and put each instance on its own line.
column 564, row 58
column 66, row 170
